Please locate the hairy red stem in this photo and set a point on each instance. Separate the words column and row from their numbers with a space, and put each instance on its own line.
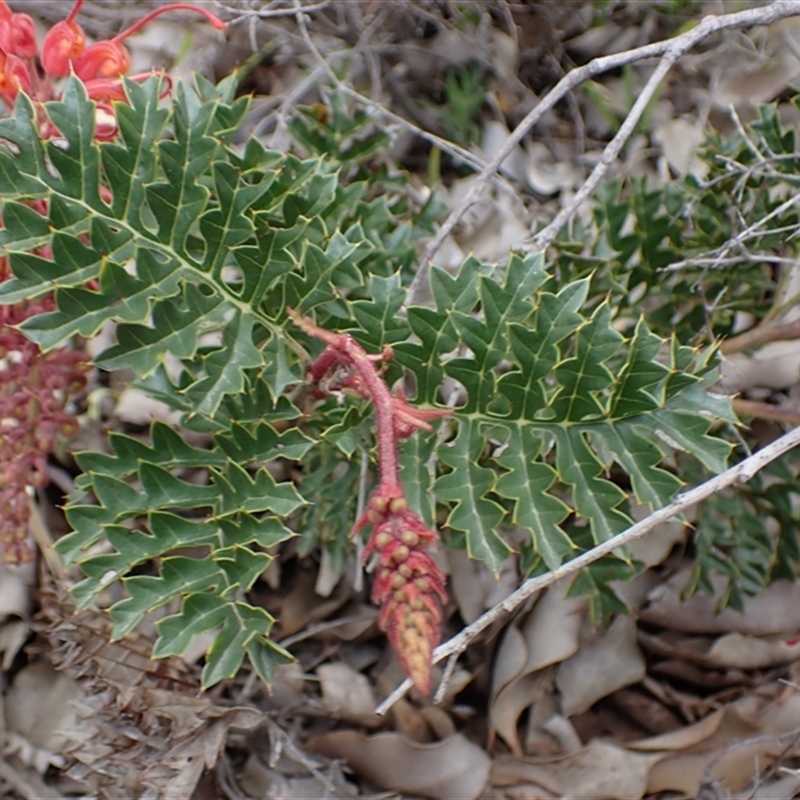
column 408, row 584
column 139, row 24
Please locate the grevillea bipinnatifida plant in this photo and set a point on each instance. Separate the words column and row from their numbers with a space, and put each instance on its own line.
column 262, row 295
column 35, row 387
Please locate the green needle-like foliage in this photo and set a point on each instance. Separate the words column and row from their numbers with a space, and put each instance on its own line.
column 195, row 249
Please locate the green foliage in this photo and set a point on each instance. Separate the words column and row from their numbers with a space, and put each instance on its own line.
column 464, row 97
column 748, row 536
column 196, row 248
column 665, row 250
column 657, row 249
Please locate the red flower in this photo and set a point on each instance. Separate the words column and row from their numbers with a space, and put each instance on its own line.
column 104, row 59
column 408, row 584
column 17, row 34
column 63, row 43
column 14, row 75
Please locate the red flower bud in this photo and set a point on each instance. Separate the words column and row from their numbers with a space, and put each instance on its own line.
column 104, row 59
column 63, row 43
column 17, row 35
column 14, row 76
column 105, row 126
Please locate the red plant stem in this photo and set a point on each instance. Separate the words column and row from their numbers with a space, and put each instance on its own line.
column 408, row 584
column 75, row 9
column 388, row 470
column 214, row 20
column 328, row 359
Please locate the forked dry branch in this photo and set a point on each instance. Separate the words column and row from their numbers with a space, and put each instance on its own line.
column 740, row 473
column 670, row 50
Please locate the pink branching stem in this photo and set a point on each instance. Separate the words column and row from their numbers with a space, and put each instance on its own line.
column 75, row 9
column 383, row 402
column 139, row 24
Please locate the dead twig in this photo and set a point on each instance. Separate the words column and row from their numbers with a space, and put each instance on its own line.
column 741, row 473
column 759, row 410
column 271, row 11
column 459, row 153
column 760, row 335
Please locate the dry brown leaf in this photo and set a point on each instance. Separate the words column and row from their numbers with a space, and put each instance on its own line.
column 680, row 140
column 654, row 548
column 439, row 721
column 38, row 707
column 262, row 782
column 504, row 229
column 548, row 635
column 730, row 651
column 770, row 68
column 303, row 605
column 729, row 746
column 601, row 771
column 547, row 176
column 783, row 786
column 474, row 587
column 347, row 694
column 15, row 598
column 595, row 671
column 775, row 610
column 495, row 135
column 13, row 635
column 775, row 365
column 144, row 726
column 410, row 722
column 454, row 767
column 610, row 663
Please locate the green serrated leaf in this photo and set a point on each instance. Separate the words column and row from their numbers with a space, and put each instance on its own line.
column 467, row 486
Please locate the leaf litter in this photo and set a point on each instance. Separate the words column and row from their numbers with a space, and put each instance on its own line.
column 544, row 707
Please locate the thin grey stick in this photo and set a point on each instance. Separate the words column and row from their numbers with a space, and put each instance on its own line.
column 670, row 49
column 241, row 15
column 741, row 473
column 718, row 256
column 443, row 144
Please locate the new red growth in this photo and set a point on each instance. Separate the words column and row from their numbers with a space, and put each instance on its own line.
column 34, row 390
column 408, row 584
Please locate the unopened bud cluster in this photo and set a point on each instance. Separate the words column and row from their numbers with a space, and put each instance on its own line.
column 408, row 584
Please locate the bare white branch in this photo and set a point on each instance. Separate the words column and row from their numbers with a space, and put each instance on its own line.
column 670, row 51
column 741, row 473
column 717, row 257
column 271, row 11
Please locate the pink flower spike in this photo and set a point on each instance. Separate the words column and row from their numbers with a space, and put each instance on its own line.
column 214, row 20
column 103, row 59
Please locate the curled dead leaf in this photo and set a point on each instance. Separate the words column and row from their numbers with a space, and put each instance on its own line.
column 453, row 767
